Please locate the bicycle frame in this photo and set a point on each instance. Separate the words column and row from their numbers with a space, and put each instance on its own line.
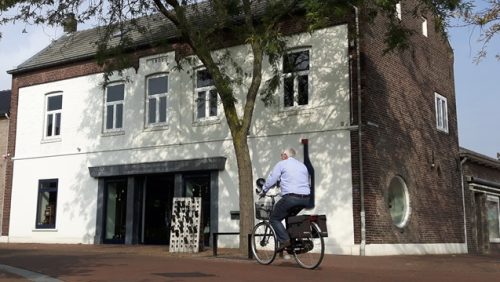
column 302, row 244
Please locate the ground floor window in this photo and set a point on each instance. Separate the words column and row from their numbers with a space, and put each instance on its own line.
column 47, row 203
column 493, row 210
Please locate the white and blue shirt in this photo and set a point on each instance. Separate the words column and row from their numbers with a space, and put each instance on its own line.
column 293, row 177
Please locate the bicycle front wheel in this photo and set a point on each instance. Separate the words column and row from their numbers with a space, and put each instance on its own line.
column 264, row 243
column 310, row 250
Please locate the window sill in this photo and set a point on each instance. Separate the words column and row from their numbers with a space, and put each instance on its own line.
column 495, row 240
column 45, row 230
column 113, row 133
column 442, row 130
column 297, row 110
column 205, row 122
column 156, row 127
column 51, row 140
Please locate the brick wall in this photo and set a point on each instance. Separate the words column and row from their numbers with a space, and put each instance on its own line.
column 399, row 137
column 477, row 224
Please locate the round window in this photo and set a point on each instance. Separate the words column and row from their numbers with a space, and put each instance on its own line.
column 399, row 201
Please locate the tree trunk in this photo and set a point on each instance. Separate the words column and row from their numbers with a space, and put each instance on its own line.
column 245, row 189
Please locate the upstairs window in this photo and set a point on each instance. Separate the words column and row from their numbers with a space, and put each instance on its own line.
column 206, row 96
column 441, row 113
column 424, row 26
column 47, row 204
column 53, row 115
column 157, row 90
column 296, row 79
column 115, row 94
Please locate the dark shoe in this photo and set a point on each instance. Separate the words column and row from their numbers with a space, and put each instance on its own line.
column 283, row 246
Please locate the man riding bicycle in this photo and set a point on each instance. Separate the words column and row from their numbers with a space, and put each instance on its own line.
column 295, row 189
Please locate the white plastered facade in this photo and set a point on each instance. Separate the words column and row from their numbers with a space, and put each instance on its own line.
column 82, row 144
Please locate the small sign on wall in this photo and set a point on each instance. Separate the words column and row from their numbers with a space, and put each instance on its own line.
column 185, row 225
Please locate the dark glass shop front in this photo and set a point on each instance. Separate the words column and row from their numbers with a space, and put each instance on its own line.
column 137, row 209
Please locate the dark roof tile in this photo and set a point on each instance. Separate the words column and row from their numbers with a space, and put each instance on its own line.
column 81, row 45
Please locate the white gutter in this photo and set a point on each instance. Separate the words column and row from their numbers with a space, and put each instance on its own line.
column 463, row 200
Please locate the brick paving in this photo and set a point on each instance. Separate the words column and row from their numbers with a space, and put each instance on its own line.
column 154, row 263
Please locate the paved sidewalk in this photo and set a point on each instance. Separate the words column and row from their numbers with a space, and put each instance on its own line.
column 154, row 263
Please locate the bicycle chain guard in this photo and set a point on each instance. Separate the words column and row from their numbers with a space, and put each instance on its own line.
column 301, row 246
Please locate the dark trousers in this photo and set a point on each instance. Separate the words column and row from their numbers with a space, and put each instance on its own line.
column 281, row 210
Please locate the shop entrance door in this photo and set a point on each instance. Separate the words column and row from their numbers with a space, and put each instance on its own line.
column 159, row 194
column 115, row 211
column 199, row 186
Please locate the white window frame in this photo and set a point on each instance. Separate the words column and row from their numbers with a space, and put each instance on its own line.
column 424, row 27
column 441, row 109
column 296, row 76
column 114, row 104
column 52, row 211
column 207, row 90
column 51, row 115
column 497, row 201
column 398, row 10
column 157, row 97
column 406, row 199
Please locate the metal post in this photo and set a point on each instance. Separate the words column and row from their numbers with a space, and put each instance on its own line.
column 250, row 253
column 214, row 243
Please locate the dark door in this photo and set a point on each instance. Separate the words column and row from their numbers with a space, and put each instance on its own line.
column 199, row 186
column 115, row 211
column 158, row 209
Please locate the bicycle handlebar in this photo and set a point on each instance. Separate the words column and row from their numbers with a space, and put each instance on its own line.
column 260, row 183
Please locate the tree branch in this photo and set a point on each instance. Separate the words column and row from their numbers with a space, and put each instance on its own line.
column 169, row 14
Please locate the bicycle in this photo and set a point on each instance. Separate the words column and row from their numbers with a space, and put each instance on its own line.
column 306, row 236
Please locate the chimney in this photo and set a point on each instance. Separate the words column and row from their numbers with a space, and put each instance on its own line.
column 70, row 24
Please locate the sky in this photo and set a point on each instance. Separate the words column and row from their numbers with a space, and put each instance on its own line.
column 477, row 86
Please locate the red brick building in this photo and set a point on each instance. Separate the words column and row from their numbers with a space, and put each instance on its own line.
column 409, row 138
column 481, row 184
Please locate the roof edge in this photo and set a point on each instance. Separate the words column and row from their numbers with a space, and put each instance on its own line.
column 52, row 64
column 479, row 158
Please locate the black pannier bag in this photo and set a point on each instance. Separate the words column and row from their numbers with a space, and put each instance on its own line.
column 298, row 226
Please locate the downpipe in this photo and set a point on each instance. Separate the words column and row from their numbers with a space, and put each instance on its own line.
column 362, row 249
column 463, row 202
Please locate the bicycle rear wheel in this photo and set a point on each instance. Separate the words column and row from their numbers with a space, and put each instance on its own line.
column 264, row 243
column 309, row 250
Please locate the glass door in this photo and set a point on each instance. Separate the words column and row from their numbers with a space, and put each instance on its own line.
column 115, row 211
column 158, row 209
column 199, row 186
